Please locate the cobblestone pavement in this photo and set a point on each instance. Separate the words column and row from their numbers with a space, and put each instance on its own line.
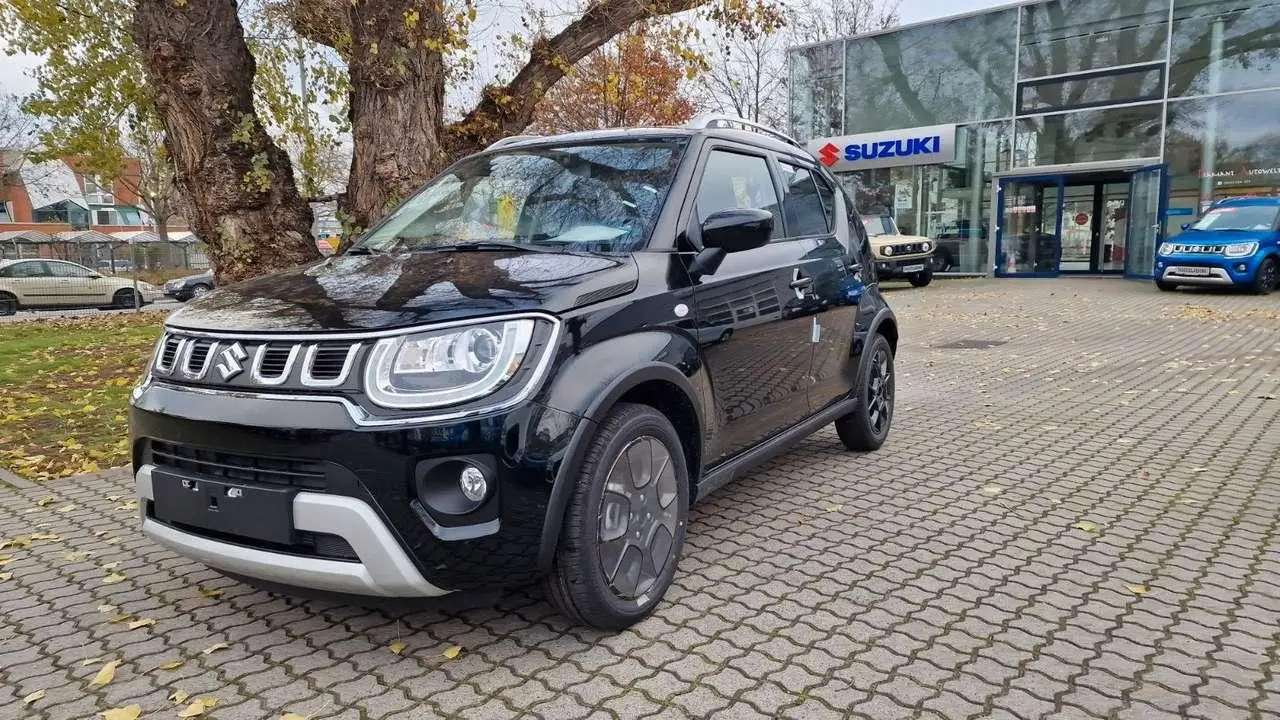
column 1080, row 521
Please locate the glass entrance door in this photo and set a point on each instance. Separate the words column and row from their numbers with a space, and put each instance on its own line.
column 1147, row 191
column 1030, row 212
column 1077, row 238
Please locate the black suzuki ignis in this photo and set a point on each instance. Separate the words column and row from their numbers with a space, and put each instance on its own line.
column 527, row 372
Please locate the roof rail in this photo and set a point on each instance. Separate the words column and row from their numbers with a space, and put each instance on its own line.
column 712, row 120
column 510, row 141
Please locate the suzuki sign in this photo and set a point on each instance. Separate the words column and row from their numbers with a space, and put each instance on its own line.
column 915, row 146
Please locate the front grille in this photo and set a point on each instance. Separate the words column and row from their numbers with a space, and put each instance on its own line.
column 249, row 363
column 1198, row 249
column 238, row 467
column 908, row 248
column 309, row 544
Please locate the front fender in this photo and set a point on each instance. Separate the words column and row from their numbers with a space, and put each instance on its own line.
column 591, row 382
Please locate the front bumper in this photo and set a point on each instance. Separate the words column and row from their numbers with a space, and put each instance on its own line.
column 361, row 497
column 1201, row 270
column 902, row 267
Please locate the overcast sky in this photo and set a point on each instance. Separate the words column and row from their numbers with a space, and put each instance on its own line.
column 14, row 69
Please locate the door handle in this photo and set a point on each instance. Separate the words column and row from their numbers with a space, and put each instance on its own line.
column 802, row 282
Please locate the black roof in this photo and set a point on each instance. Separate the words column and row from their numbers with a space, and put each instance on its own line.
column 747, row 137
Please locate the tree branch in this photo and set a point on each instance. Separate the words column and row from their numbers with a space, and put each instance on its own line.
column 507, row 110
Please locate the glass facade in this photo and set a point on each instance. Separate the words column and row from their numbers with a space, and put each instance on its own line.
column 1095, row 88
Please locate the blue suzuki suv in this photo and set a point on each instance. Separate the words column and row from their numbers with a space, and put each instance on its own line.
column 1236, row 242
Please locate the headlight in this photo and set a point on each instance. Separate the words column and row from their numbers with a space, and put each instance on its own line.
column 1166, row 248
column 1244, row 249
column 926, row 247
column 887, row 251
column 447, row 366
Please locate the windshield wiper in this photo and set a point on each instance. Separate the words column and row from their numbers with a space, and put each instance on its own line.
column 489, row 245
column 364, row 250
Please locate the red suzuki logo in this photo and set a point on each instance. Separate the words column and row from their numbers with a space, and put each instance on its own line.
column 829, row 154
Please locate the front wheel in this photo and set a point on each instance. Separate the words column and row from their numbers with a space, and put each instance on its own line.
column 866, row 428
column 1166, row 286
column 624, row 528
column 1266, row 278
column 123, row 299
column 8, row 304
column 922, row 278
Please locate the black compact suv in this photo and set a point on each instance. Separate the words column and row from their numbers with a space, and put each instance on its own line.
column 527, row 372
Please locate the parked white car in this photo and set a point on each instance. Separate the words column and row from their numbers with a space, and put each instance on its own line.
column 44, row 283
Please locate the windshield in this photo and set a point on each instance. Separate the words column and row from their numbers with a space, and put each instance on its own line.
column 593, row 198
column 1238, row 217
column 879, row 225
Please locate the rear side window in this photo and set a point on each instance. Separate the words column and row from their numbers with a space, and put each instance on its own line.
column 734, row 181
column 25, row 270
column 801, row 202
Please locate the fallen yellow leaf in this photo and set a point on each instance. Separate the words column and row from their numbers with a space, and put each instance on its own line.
column 107, row 608
column 398, row 647
column 112, row 579
column 111, row 565
column 142, row 622
column 195, row 708
column 172, row 665
column 992, row 489
column 1138, row 590
column 210, row 592
column 453, row 652
column 45, row 501
column 33, row 697
column 294, row 716
column 1085, row 525
column 130, row 505
column 214, row 648
column 112, row 541
column 119, row 618
column 129, row 712
column 105, row 675
column 43, row 536
column 179, row 696
column 75, row 555
column 90, row 661
column 5, row 559
column 5, row 575
column 209, row 703
column 66, row 508
column 834, row 508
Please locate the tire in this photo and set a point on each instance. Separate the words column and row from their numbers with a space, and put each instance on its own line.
column 1267, row 278
column 1166, row 286
column 200, row 290
column 922, row 278
column 941, row 261
column 8, row 304
column 123, row 299
column 579, row 585
column 867, row 427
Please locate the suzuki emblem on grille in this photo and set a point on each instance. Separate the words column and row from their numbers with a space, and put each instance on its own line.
column 229, row 361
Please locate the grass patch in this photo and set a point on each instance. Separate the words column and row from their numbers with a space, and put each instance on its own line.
column 64, row 390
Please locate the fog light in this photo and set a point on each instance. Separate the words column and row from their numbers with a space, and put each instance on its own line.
column 1241, row 267
column 473, row 483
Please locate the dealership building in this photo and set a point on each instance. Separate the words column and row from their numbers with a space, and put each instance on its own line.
column 1045, row 138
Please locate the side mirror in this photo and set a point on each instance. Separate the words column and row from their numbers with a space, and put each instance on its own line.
column 737, row 229
column 95, row 276
column 1187, row 226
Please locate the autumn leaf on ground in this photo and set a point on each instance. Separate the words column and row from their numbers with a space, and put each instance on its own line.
column 90, row 661
column 112, row 541
column 113, row 578
column 5, row 560
column 111, row 565
column 44, row 536
column 105, row 675
column 45, row 501
column 5, row 575
column 1085, row 525
column 66, row 508
column 179, row 696
column 992, row 489
column 171, row 665
column 75, row 555
column 141, row 622
column 453, row 652
column 398, row 647
column 210, row 592
column 834, row 508
column 294, row 716
column 195, row 708
column 115, row 619
column 1138, row 590
column 107, row 608
column 129, row 712
column 33, row 697
column 130, row 505
column 214, row 648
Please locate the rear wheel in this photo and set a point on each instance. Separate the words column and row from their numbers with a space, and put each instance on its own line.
column 922, row 278
column 867, row 427
column 200, row 290
column 625, row 524
column 8, row 303
column 941, row 261
column 123, row 299
column 1266, row 278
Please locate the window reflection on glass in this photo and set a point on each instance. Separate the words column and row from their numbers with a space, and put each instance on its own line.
column 1112, row 88
column 1223, row 46
column 817, row 90
column 735, row 181
column 1029, row 241
column 1088, row 136
column 1067, row 36
column 1238, row 218
column 953, row 71
column 1220, row 147
column 804, row 208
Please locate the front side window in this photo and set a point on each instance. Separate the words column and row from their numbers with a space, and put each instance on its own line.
column 599, row 198
column 1239, row 217
column 736, row 181
column 801, row 203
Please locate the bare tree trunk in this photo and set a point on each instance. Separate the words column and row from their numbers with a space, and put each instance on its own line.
column 238, row 184
column 397, row 91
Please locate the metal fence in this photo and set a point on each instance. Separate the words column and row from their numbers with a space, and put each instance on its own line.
column 141, row 251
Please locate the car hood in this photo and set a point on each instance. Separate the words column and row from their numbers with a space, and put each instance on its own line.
column 374, row 292
column 897, row 239
column 1219, row 237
